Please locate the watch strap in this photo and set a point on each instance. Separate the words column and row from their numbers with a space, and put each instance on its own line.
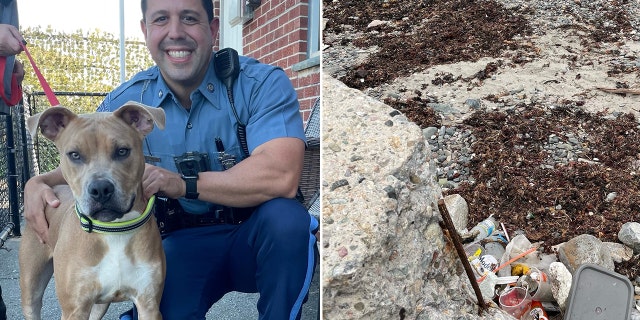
column 192, row 187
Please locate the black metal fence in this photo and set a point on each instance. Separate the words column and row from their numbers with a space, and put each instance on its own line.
column 12, row 170
column 20, row 157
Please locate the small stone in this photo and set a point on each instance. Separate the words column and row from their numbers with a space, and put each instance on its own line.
column 560, row 279
column 376, row 23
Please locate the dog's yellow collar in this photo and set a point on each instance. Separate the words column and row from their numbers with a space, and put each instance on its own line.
column 91, row 225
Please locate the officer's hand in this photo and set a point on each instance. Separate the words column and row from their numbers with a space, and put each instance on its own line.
column 10, row 39
column 37, row 196
column 163, row 182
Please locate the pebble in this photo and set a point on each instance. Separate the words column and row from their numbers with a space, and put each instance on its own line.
column 451, row 147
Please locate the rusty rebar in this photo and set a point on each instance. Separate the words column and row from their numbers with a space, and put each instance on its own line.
column 457, row 243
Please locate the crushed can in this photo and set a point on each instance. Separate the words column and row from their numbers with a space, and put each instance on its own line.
column 536, row 312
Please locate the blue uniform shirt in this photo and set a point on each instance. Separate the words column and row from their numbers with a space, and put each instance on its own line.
column 264, row 97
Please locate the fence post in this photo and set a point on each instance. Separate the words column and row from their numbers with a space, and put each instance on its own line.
column 26, row 167
column 12, row 178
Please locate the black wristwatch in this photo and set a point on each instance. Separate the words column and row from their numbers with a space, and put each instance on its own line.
column 192, row 187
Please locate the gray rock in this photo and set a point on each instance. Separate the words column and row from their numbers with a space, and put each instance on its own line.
column 458, row 210
column 629, row 234
column 474, row 104
column 582, row 249
column 619, row 252
column 430, row 132
column 560, row 278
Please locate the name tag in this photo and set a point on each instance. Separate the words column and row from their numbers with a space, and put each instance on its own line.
column 151, row 159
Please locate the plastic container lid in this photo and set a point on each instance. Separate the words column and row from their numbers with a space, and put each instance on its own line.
column 597, row 293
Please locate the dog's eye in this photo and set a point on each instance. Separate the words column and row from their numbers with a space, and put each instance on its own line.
column 73, row 155
column 122, row 153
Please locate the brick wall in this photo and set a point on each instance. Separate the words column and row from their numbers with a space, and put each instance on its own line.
column 277, row 35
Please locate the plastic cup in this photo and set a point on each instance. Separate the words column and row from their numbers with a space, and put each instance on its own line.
column 543, row 293
column 515, row 301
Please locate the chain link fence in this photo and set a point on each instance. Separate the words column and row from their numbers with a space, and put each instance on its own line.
column 21, row 157
column 13, row 173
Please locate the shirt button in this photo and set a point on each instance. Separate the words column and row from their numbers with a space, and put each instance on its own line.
column 210, row 87
column 189, row 125
column 160, row 94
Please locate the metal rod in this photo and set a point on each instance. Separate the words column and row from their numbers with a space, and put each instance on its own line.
column 457, row 243
column 122, row 41
column 71, row 93
column 4, row 235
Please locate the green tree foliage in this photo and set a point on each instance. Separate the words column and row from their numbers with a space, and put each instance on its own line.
column 86, row 62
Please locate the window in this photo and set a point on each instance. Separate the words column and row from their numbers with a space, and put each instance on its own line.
column 241, row 11
column 314, row 32
column 231, row 26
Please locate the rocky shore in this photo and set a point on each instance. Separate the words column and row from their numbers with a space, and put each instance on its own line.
column 540, row 131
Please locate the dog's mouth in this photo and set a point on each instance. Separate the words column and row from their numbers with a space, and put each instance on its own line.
column 109, row 213
column 106, row 215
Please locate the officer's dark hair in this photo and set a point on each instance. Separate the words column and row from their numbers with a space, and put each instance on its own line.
column 206, row 4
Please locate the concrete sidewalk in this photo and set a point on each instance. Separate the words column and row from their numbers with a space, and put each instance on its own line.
column 234, row 306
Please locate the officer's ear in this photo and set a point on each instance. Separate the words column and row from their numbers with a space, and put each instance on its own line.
column 215, row 29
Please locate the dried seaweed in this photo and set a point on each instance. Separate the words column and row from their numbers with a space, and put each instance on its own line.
column 554, row 203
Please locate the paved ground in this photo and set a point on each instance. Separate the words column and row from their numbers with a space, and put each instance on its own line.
column 234, row 306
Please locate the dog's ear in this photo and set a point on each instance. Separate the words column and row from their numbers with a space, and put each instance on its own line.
column 51, row 122
column 140, row 116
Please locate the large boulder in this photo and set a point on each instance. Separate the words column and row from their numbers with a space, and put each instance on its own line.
column 384, row 254
column 582, row 249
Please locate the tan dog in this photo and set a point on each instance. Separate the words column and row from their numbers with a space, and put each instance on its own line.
column 118, row 256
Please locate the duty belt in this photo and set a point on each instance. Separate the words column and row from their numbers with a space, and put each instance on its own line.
column 221, row 215
column 171, row 216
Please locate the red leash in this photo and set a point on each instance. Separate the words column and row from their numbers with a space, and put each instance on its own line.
column 43, row 82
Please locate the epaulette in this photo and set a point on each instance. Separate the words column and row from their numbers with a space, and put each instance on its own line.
column 254, row 69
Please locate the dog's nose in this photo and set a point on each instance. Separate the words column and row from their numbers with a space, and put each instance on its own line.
column 101, row 190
